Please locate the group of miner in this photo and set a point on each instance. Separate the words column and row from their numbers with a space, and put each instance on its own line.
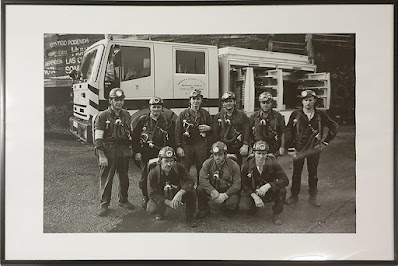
column 235, row 155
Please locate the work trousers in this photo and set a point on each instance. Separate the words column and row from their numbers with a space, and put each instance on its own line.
column 231, row 204
column 195, row 154
column 278, row 197
column 189, row 200
column 118, row 162
column 273, row 146
column 235, row 150
column 312, row 165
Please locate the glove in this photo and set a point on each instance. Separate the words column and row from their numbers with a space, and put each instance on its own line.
column 262, row 190
column 223, row 197
column 214, row 194
column 176, row 201
column 203, row 128
column 168, row 203
column 103, row 161
column 258, row 201
column 180, row 152
column 244, row 150
column 138, row 156
column 321, row 145
column 281, row 151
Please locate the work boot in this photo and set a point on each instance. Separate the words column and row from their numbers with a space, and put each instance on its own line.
column 313, row 200
column 126, row 205
column 144, row 202
column 292, row 199
column 191, row 222
column 103, row 211
column 202, row 213
column 276, row 219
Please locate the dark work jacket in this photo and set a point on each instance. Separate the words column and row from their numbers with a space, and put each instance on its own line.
column 113, row 132
column 201, row 118
column 299, row 129
column 272, row 174
column 161, row 133
column 178, row 176
column 271, row 132
column 227, row 132
column 229, row 174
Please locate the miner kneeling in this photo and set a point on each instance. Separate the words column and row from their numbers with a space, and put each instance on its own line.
column 169, row 185
column 263, row 181
column 219, row 180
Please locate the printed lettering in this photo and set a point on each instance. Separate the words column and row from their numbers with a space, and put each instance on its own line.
column 69, row 69
column 70, row 61
column 53, row 62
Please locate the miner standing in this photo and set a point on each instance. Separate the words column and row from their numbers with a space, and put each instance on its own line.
column 231, row 126
column 305, row 139
column 268, row 125
column 192, row 133
column 112, row 146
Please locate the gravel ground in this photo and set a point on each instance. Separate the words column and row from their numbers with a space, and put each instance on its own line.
column 71, row 187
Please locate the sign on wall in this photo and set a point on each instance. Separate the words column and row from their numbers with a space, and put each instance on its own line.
column 63, row 53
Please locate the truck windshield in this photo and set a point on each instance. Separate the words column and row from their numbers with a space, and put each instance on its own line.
column 90, row 62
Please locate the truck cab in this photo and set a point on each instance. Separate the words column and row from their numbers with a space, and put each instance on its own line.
column 142, row 68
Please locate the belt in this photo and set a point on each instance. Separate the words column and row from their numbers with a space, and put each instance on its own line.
column 113, row 145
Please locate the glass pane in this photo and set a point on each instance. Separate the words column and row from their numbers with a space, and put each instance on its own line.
column 112, row 73
column 136, row 62
column 190, row 62
column 87, row 64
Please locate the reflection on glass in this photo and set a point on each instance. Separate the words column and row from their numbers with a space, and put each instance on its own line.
column 136, row 62
column 87, row 64
column 190, row 62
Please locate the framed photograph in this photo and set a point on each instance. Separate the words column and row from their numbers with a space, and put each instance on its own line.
column 198, row 131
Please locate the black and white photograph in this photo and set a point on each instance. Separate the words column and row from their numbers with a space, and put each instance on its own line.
column 268, row 105
column 136, row 129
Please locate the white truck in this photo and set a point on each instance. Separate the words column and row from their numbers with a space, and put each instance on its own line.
column 171, row 70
